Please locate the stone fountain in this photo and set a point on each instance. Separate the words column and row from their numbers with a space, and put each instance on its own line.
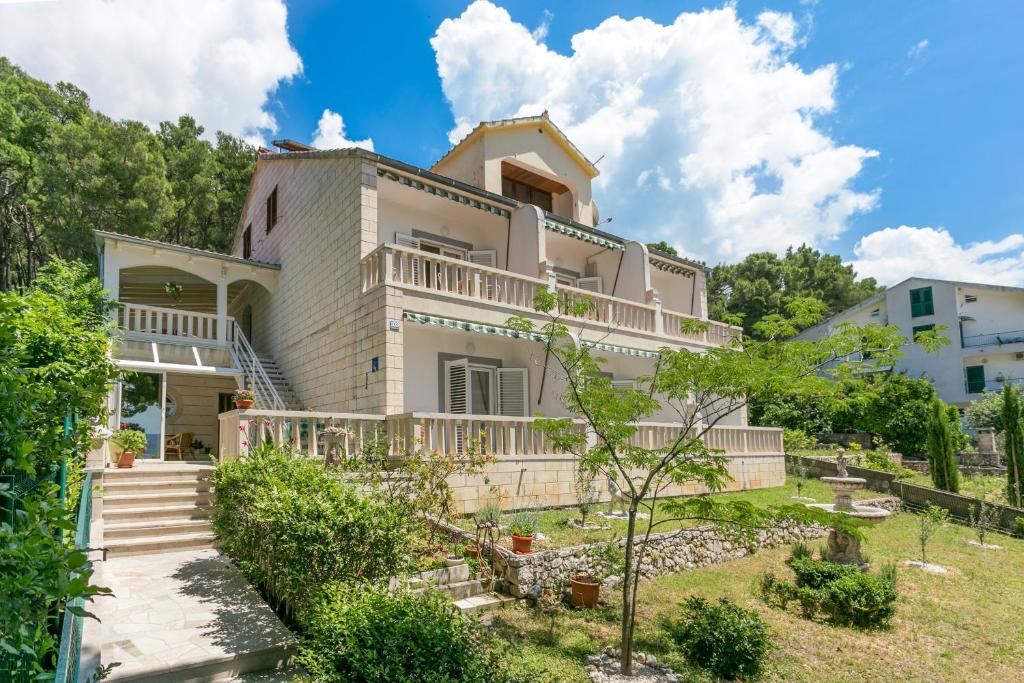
column 843, row 547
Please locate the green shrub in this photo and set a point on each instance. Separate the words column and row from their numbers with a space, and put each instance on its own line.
column 796, row 440
column 800, row 551
column 293, row 526
column 819, row 573
column 372, row 635
column 1018, row 524
column 878, row 460
column 724, row 638
column 860, row 599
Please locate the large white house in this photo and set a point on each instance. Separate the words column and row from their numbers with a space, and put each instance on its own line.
column 365, row 292
column 984, row 325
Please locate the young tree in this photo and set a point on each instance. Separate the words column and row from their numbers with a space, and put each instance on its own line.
column 1013, row 436
column 941, row 449
column 701, row 389
column 930, row 521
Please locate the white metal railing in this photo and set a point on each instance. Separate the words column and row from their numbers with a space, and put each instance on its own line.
column 414, row 268
column 169, row 322
column 609, row 310
column 319, row 433
column 717, row 333
column 255, row 376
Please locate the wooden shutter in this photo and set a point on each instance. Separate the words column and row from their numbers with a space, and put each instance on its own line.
column 513, row 392
column 456, row 386
column 975, row 379
column 921, row 302
column 415, row 275
column 591, row 284
column 489, row 258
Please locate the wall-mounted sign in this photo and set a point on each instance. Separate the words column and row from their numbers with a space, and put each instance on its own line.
column 394, row 326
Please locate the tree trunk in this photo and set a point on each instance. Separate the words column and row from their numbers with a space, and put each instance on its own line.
column 626, row 644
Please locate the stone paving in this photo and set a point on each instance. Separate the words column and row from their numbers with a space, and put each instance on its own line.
column 185, row 616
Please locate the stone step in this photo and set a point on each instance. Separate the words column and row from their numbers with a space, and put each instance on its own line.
column 155, row 528
column 160, row 544
column 220, row 670
column 486, row 602
column 155, row 500
column 181, row 512
column 460, row 590
column 148, row 485
column 161, row 472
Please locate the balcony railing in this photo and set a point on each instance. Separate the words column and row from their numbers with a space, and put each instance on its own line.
column 335, row 436
column 172, row 323
column 417, row 269
column 994, row 339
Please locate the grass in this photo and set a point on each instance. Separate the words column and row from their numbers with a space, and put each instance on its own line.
column 553, row 523
column 990, row 487
column 963, row 626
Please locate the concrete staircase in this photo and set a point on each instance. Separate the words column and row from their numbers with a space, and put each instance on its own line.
column 280, row 382
column 156, row 508
column 470, row 595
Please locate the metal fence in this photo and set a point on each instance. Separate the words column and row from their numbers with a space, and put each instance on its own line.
column 69, row 655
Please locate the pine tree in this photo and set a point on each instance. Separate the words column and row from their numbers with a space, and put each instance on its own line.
column 1013, row 436
column 941, row 452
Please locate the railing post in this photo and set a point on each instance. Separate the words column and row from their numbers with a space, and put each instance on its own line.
column 654, row 299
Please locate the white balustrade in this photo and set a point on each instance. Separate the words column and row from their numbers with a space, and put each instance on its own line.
column 174, row 323
column 608, row 310
column 716, row 334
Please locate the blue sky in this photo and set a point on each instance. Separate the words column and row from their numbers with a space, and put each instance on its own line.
column 911, row 162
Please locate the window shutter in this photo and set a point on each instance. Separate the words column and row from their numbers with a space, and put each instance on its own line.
column 489, row 258
column 591, row 284
column 456, row 386
column 623, row 384
column 513, row 392
column 415, row 266
column 975, row 379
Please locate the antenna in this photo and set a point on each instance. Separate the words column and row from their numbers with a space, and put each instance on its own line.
column 599, row 159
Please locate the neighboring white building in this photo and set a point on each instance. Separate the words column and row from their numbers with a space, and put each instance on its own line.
column 984, row 324
column 374, row 292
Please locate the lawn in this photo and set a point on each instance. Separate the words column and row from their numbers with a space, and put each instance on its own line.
column 553, row 523
column 963, row 626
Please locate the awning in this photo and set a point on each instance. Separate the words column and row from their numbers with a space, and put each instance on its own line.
column 562, row 228
column 152, row 356
column 467, row 326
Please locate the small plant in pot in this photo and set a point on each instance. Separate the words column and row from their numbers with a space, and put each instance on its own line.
column 132, row 443
column 586, row 586
column 455, row 555
column 244, row 398
column 522, row 526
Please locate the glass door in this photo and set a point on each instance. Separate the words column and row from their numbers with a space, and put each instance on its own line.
column 143, row 395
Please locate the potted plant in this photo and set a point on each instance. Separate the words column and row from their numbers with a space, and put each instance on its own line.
column 244, row 398
column 586, row 587
column 455, row 555
column 522, row 527
column 132, row 442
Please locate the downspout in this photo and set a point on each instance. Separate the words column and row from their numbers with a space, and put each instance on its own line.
column 615, row 285
column 508, row 239
column 693, row 294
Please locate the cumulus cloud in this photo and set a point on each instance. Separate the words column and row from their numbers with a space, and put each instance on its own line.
column 154, row 61
column 894, row 254
column 917, row 48
column 330, row 134
column 708, row 116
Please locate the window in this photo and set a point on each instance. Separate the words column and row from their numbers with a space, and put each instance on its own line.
column 920, row 328
column 970, row 299
column 485, row 390
column 921, row 302
column 975, row 379
column 272, row 209
column 526, row 194
column 247, row 241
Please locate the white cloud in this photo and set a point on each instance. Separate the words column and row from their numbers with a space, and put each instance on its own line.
column 917, row 48
column 330, row 134
column 708, row 115
column 154, row 61
column 894, row 254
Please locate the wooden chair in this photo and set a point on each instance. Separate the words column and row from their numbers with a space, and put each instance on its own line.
column 179, row 445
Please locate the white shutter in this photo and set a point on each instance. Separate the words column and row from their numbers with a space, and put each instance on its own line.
column 456, row 386
column 489, row 282
column 415, row 266
column 623, row 384
column 484, row 257
column 591, row 284
column 513, row 392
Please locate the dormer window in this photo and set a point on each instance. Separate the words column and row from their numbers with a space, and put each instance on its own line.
column 525, row 193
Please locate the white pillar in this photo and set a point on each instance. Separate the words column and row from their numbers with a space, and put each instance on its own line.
column 222, row 312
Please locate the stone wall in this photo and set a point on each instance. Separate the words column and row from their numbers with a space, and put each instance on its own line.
column 548, row 481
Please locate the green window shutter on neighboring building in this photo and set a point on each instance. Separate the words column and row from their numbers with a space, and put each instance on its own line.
column 921, row 302
column 975, row 379
column 920, row 328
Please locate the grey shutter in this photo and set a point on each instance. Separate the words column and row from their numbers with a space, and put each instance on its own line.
column 513, row 392
column 591, row 284
column 489, row 258
column 415, row 266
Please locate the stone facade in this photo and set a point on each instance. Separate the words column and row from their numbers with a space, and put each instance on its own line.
column 548, row 481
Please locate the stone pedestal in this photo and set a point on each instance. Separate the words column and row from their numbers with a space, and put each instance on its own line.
column 843, row 548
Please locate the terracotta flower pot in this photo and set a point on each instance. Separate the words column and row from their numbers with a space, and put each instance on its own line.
column 472, row 551
column 521, row 545
column 126, row 460
column 585, row 590
column 243, row 405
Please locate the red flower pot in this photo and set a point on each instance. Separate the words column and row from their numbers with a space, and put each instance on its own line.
column 243, row 405
column 126, row 460
column 521, row 545
column 585, row 590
